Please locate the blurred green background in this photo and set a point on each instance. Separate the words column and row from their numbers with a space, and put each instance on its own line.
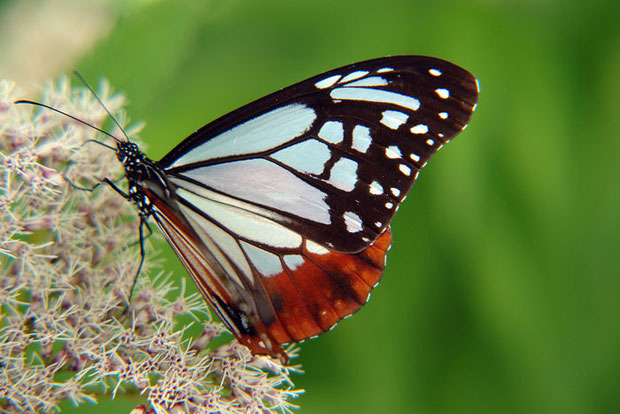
column 502, row 291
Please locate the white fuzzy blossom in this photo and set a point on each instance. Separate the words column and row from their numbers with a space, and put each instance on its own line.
column 68, row 258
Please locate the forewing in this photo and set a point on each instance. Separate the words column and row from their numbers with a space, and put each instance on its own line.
column 330, row 158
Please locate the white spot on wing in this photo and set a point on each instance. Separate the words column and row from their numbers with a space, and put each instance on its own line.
column 307, row 156
column 354, row 75
column 384, row 70
column 404, row 169
column 419, row 129
column 293, row 261
column 332, row 131
column 256, row 135
column 315, row 248
column 352, row 221
column 375, row 95
column 378, row 224
column 371, row 81
column 393, row 119
column 443, row 115
column 392, row 152
column 266, row 263
column 361, row 138
column 415, row 157
column 434, row 72
column 430, row 142
column 389, row 205
column 395, row 191
column 343, row 174
column 375, row 188
column 443, row 93
column 327, row 82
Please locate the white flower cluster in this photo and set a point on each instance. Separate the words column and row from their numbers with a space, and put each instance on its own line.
column 68, row 258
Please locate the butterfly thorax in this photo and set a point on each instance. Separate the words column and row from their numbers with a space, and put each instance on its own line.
column 141, row 172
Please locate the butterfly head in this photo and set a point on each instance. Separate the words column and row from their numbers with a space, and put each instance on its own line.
column 133, row 160
column 128, row 153
column 142, row 172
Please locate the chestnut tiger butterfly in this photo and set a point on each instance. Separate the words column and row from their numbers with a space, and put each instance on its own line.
column 280, row 210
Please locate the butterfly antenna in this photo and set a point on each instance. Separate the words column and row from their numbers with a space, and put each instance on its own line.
column 25, row 101
column 77, row 74
column 100, row 143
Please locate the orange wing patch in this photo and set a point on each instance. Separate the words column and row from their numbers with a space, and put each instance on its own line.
column 311, row 298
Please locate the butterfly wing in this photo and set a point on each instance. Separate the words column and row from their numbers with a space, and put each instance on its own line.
column 272, row 295
column 333, row 156
column 281, row 209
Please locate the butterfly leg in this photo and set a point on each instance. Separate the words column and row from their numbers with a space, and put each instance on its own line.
column 124, row 195
column 93, row 188
column 77, row 187
column 141, row 237
column 143, row 223
column 141, row 226
column 148, row 227
column 114, row 187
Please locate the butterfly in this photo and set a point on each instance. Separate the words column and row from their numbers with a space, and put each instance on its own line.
column 280, row 210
